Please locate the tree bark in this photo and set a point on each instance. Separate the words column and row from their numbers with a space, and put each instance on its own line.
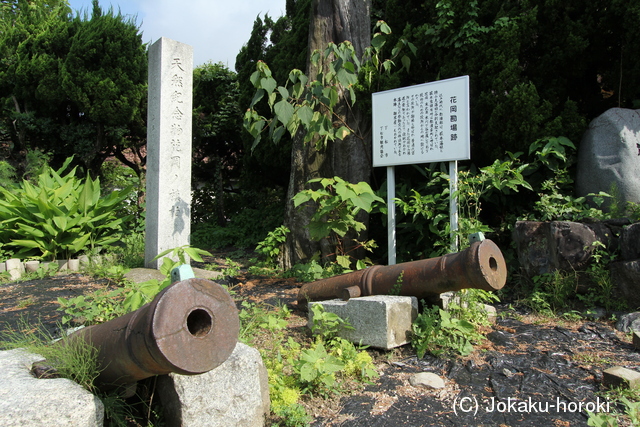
column 331, row 21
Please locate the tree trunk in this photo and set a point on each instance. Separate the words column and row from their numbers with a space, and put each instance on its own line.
column 331, row 21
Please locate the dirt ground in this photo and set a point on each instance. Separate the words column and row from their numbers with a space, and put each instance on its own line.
column 528, row 372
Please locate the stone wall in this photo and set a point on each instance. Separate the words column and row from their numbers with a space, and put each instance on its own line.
column 544, row 247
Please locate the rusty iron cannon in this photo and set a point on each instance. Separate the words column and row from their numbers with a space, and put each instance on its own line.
column 189, row 328
column 480, row 266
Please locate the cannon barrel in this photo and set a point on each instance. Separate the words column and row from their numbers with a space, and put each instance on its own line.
column 189, row 328
column 480, row 266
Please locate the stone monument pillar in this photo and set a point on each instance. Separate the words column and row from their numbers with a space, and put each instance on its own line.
column 168, row 216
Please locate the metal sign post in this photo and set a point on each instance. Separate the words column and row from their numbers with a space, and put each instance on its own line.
column 391, row 214
column 453, row 204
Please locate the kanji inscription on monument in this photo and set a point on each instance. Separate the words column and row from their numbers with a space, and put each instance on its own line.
column 168, row 216
column 422, row 123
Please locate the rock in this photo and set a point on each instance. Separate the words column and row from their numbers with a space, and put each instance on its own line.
column 573, row 244
column 595, row 313
column 636, row 339
column 235, row 393
column 381, row 321
column 544, row 247
column 207, row 274
column 139, row 275
column 630, row 242
column 609, row 156
column 427, row 380
column 492, row 313
column 31, row 266
column 27, row 401
column 629, row 322
column 621, row 377
column 625, row 276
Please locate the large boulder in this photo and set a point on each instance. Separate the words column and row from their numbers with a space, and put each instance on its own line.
column 630, row 242
column 28, row 401
column 544, row 247
column 235, row 393
column 625, row 275
column 609, row 156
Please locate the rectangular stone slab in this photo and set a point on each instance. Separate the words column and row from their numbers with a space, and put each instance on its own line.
column 380, row 321
column 621, row 377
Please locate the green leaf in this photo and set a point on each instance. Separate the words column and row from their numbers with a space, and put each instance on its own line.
column 300, row 198
column 283, row 111
column 278, row 134
column 343, row 132
column 257, row 97
column 343, row 261
column 305, row 114
column 196, row 253
column 268, row 83
column 134, row 301
column 61, row 222
column 284, row 92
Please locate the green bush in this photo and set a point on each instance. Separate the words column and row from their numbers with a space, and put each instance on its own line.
column 59, row 215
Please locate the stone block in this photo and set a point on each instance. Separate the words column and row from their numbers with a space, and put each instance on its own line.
column 447, row 298
column 381, row 321
column 28, row 401
column 235, row 393
column 15, row 267
column 31, row 266
column 636, row 339
column 621, row 377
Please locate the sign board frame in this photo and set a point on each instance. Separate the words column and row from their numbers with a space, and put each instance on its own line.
column 424, row 123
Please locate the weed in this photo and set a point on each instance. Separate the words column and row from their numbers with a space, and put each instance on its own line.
column 42, row 272
column 336, row 216
column 591, row 358
column 70, row 358
column 397, row 287
column 322, row 368
column 26, row 302
column 629, row 399
column 327, row 326
column 97, row 307
column 271, row 246
column 313, row 270
column 453, row 330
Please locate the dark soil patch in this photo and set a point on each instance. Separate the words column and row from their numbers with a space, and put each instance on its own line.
column 526, row 375
column 533, row 374
column 35, row 302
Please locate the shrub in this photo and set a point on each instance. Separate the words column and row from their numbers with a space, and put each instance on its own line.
column 252, row 215
column 59, row 215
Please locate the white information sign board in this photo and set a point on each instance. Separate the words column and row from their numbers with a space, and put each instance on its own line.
column 422, row 124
